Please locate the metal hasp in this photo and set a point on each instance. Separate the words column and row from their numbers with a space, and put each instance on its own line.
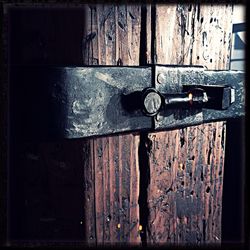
column 75, row 102
column 224, row 89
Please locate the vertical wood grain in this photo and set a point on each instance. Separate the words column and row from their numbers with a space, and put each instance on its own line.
column 112, row 38
column 187, row 165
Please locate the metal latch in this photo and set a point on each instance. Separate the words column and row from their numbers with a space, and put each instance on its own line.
column 210, row 97
column 73, row 102
column 213, row 97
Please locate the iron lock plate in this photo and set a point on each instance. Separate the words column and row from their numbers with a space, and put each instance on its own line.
column 75, row 102
column 176, row 79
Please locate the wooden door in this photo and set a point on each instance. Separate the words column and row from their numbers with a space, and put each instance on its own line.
column 132, row 188
column 162, row 187
column 112, row 168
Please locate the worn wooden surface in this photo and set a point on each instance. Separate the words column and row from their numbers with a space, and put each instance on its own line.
column 112, row 170
column 92, row 188
column 186, row 166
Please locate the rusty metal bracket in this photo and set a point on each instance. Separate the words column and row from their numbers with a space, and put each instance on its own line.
column 75, row 102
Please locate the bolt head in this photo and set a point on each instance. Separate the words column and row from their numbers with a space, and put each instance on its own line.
column 161, row 78
column 152, row 102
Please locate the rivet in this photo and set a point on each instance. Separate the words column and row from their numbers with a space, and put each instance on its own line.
column 161, row 78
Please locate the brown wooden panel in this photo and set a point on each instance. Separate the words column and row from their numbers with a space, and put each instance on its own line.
column 186, row 166
column 111, row 168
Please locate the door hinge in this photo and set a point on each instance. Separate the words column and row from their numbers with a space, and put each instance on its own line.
column 74, row 102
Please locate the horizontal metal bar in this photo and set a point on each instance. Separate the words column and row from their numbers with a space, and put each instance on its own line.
column 54, row 102
column 74, row 102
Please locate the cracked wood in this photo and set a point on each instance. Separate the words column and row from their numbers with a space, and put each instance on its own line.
column 111, row 169
column 187, row 165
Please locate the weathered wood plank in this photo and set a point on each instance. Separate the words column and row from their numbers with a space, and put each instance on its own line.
column 115, row 39
column 186, row 166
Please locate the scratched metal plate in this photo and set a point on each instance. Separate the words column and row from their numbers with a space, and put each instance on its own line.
column 169, row 79
column 75, row 102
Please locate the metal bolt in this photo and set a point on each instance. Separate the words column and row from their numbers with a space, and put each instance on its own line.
column 152, row 102
column 161, row 78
